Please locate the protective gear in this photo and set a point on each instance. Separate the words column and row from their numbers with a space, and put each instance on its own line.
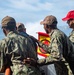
column 49, row 20
column 8, row 22
column 70, row 15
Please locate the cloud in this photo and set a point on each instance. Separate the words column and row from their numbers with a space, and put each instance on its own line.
column 32, row 11
column 33, row 5
column 33, row 28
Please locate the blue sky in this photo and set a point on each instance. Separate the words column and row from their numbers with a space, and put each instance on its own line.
column 31, row 12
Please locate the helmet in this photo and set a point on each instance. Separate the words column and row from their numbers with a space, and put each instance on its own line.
column 70, row 15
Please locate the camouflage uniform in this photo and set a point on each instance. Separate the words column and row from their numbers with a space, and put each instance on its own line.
column 71, row 37
column 59, row 49
column 22, row 31
column 70, row 21
column 14, row 49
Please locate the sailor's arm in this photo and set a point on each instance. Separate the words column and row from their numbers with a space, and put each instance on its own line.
column 54, row 49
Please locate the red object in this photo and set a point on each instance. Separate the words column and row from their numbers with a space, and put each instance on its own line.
column 44, row 38
column 70, row 15
column 43, row 34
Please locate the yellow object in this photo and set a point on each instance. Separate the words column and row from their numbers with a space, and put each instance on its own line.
column 44, row 38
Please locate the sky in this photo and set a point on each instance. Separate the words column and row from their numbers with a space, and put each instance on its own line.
column 31, row 12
